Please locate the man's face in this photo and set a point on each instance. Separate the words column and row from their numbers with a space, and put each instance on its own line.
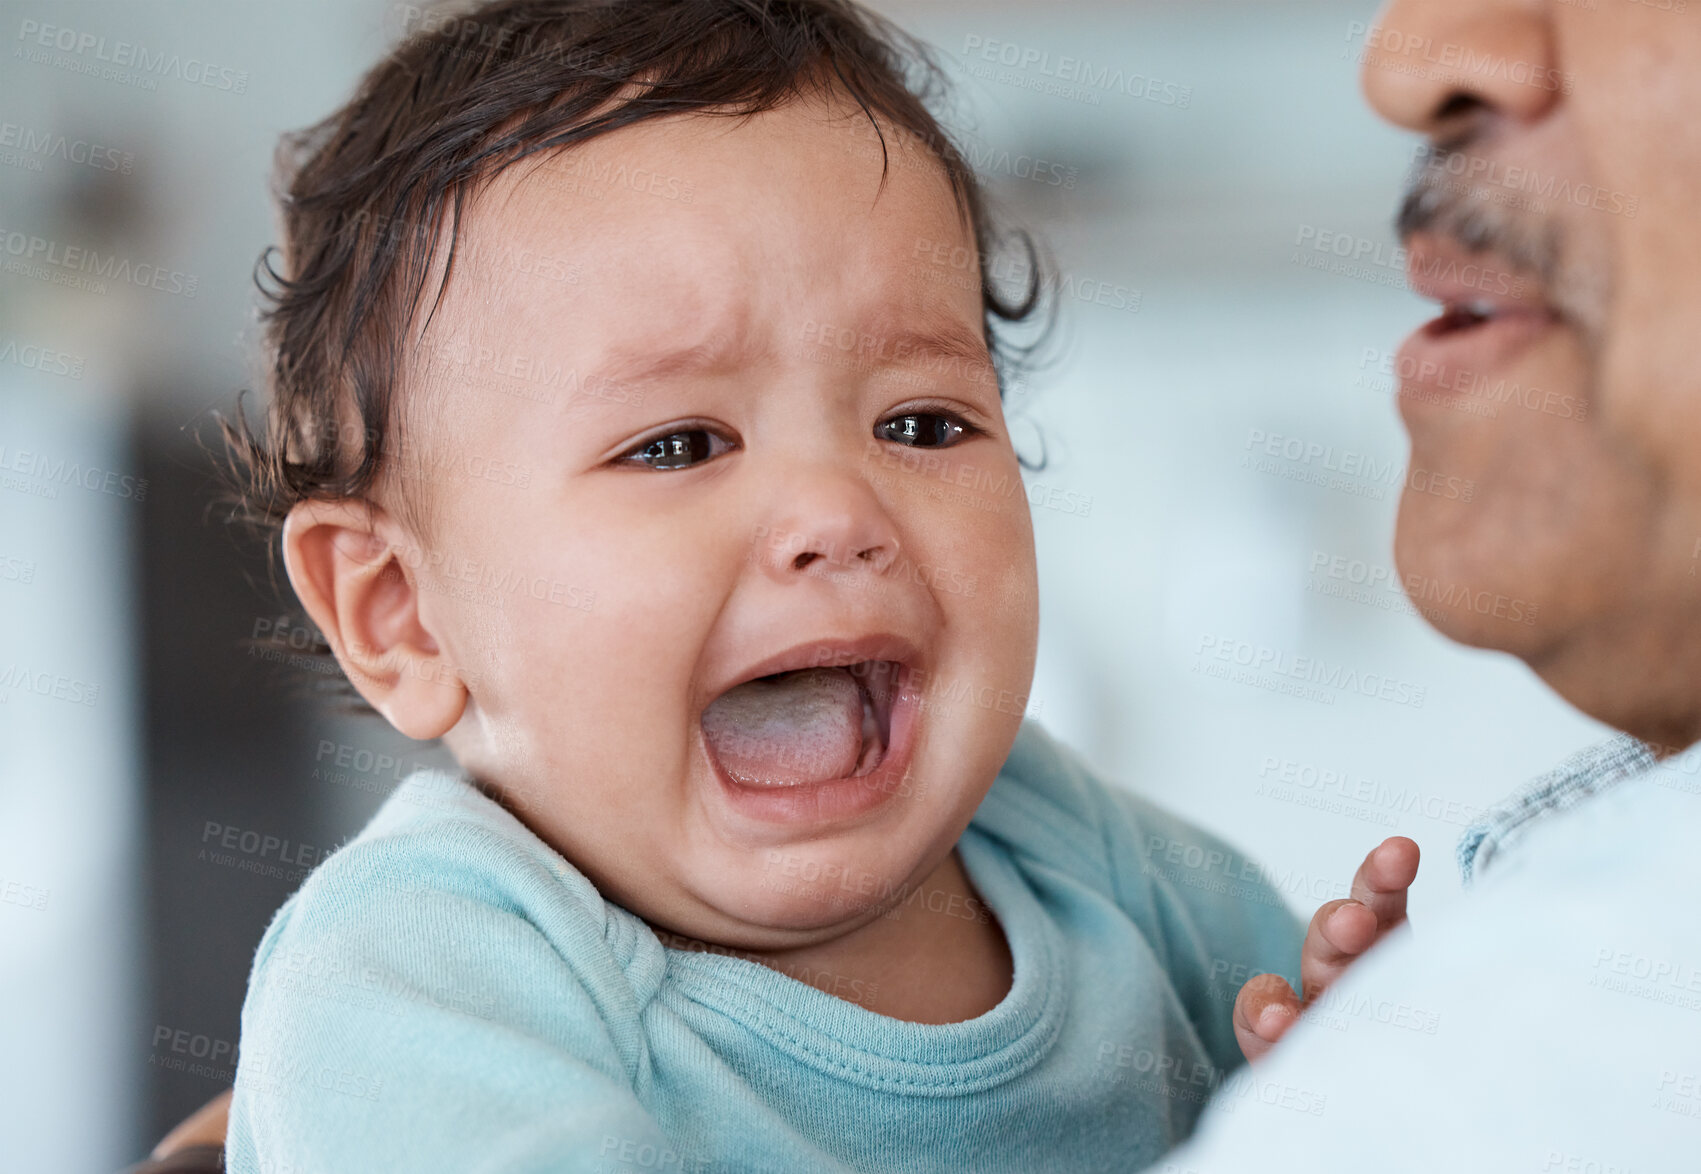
column 1552, row 221
column 706, row 404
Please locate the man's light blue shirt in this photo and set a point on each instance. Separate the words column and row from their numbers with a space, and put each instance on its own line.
column 1551, row 1023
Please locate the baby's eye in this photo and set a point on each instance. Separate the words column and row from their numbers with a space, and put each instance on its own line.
column 924, row 429
column 677, row 450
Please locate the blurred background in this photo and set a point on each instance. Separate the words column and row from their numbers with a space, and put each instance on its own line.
column 169, row 788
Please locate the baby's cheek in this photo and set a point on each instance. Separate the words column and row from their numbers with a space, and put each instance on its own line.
column 1006, row 570
column 993, row 634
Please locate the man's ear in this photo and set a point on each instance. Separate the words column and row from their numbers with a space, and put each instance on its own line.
column 344, row 561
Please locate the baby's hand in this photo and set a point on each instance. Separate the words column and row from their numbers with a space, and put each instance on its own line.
column 1342, row 930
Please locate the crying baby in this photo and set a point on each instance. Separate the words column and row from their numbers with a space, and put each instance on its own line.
column 751, row 760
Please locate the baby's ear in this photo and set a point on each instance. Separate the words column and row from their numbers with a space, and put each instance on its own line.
column 345, row 562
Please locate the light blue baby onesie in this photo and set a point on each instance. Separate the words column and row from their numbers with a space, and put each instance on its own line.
column 446, row 992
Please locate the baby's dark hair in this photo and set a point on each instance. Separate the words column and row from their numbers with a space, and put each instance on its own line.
column 367, row 193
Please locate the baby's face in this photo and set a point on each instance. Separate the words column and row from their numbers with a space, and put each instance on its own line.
column 705, row 405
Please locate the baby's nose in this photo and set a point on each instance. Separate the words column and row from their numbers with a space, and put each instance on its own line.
column 846, row 536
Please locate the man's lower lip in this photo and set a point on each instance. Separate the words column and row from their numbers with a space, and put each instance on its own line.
column 837, row 799
column 1460, row 360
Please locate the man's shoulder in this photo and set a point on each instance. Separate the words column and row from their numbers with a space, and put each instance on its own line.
column 1636, row 836
column 1590, row 771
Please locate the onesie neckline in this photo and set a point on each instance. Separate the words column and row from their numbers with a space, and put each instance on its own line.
column 854, row 1044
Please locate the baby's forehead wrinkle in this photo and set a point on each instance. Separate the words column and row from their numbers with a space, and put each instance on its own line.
column 885, row 342
column 637, row 367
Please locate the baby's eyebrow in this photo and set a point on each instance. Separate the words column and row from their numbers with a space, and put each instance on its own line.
column 945, row 339
column 935, row 346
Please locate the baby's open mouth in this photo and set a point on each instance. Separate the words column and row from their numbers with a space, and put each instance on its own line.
column 804, row 726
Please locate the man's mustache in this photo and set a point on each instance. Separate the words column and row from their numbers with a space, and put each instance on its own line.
column 1526, row 238
column 1439, row 203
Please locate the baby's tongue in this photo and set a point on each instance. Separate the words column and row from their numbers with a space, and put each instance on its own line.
column 800, row 727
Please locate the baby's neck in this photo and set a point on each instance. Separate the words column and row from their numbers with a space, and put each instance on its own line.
column 940, row 957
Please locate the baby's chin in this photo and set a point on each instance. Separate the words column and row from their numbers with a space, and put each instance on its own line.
column 790, row 912
column 808, row 893
column 818, row 888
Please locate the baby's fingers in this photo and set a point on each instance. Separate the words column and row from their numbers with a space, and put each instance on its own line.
column 1382, row 880
column 1263, row 1011
column 1340, row 931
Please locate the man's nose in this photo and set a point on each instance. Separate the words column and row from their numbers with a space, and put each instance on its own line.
column 1428, row 60
column 826, row 524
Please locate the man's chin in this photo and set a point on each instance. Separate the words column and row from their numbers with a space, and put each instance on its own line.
column 1464, row 626
column 1455, row 579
